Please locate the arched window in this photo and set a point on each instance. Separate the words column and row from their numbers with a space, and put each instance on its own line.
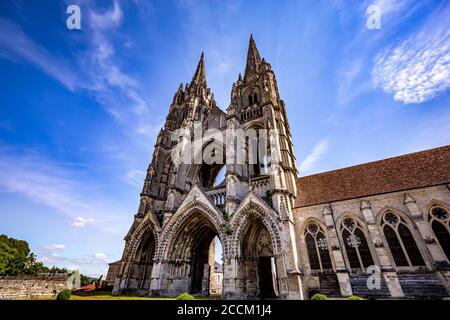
column 317, row 247
column 401, row 241
column 356, row 247
column 252, row 98
column 439, row 219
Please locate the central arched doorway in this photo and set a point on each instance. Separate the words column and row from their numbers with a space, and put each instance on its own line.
column 259, row 265
column 193, row 257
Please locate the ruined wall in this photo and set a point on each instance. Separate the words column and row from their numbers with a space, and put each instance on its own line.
column 22, row 288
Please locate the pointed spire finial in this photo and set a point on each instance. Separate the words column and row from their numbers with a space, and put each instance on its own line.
column 253, row 58
column 200, row 75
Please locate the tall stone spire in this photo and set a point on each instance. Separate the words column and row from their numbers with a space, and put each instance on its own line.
column 253, row 59
column 200, row 75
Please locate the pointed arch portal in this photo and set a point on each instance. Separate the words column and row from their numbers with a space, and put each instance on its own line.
column 258, row 260
column 190, row 258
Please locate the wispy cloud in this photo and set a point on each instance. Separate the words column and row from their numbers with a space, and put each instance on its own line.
column 350, row 84
column 101, row 256
column 38, row 178
column 417, row 69
column 97, row 69
column 316, row 154
column 53, row 247
column 135, row 178
column 95, row 262
column 81, row 222
column 389, row 7
column 17, row 46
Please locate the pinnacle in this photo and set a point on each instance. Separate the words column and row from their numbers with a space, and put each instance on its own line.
column 200, row 75
column 253, row 58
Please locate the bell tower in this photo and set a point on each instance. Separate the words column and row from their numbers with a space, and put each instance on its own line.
column 162, row 187
column 264, row 166
column 183, row 208
column 256, row 104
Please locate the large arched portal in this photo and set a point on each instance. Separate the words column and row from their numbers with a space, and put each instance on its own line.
column 192, row 257
column 259, row 267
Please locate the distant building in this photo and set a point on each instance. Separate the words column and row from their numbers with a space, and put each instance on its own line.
column 112, row 273
column 216, row 279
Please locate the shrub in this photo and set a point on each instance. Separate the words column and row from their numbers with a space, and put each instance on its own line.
column 319, row 296
column 185, row 296
column 228, row 230
column 64, row 295
column 355, row 298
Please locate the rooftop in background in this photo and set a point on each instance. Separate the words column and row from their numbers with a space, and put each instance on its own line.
column 410, row 171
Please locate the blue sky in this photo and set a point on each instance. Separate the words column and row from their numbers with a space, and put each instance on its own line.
column 80, row 109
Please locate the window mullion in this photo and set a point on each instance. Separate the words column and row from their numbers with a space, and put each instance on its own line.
column 357, row 250
column 402, row 245
column 318, row 253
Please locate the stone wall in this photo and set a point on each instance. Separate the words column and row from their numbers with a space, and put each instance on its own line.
column 22, row 288
column 413, row 206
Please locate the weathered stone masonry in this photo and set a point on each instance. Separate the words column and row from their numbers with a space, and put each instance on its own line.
column 12, row 288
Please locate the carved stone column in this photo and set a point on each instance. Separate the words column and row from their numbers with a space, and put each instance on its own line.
column 387, row 269
column 438, row 256
column 341, row 270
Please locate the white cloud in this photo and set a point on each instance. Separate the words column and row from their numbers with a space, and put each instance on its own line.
column 80, row 222
column 388, row 7
column 101, row 256
column 416, row 69
column 43, row 181
column 55, row 247
column 107, row 19
column 350, row 87
column 96, row 70
column 98, row 261
column 311, row 159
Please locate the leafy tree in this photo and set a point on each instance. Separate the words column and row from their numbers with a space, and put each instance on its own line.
column 84, row 280
column 16, row 259
column 14, row 256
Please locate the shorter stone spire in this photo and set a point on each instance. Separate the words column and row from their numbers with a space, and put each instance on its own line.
column 200, row 74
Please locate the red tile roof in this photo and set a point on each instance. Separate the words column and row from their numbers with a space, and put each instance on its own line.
column 414, row 170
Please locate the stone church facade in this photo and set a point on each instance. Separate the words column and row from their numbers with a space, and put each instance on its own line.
column 283, row 236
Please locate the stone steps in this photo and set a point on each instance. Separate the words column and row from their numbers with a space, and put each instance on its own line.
column 360, row 288
column 329, row 285
column 421, row 285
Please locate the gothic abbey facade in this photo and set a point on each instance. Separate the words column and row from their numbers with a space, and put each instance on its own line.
column 283, row 236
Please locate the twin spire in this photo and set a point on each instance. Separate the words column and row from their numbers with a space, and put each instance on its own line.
column 253, row 58
column 200, row 74
column 252, row 65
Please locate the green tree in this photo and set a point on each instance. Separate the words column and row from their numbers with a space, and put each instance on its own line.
column 14, row 256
